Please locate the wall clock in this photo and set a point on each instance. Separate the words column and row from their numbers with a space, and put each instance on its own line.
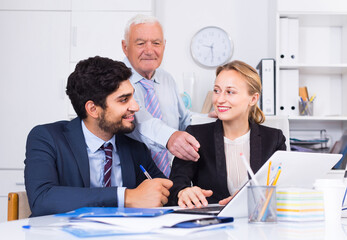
column 211, row 47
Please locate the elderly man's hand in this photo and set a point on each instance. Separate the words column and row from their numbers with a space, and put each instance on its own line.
column 184, row 146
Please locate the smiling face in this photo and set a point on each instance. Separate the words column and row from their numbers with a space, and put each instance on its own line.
column 118, row 116
column 231, row 98
column 145, row 48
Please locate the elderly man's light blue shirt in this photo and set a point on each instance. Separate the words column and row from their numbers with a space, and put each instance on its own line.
column 97, row 160
column 154, row 132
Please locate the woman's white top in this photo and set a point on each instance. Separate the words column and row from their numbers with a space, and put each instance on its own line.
column 236, row 171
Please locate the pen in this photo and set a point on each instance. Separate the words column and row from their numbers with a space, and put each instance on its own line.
column 277, row 176
column 263, row 212
column 145, row 172
column 344, row 197
column 274, row 177
column 250, row 171
column 268, row 174
column 48, row 227
column 313, row 97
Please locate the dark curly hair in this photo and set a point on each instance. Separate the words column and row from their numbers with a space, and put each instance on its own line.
column 94, row 79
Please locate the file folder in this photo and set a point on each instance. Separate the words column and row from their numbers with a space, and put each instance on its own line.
column 115, row 212
column 268, row 79
column 293, row 40
column 283, row 46
column 288, row 94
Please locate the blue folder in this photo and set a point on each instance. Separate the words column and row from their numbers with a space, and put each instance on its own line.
column 115, row 212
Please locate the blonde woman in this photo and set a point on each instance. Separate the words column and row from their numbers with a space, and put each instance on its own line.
column 219, row 172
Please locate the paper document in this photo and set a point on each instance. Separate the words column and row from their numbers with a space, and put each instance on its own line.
column 107, row 226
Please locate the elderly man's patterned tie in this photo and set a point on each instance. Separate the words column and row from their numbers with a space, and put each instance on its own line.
column 152, row 105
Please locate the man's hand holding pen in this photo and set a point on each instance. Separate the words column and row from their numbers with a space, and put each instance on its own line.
column 153, row 193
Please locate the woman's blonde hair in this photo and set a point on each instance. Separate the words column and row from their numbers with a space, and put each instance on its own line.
column 254, row 85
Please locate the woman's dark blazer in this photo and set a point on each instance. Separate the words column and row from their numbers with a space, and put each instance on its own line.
column 209, row 172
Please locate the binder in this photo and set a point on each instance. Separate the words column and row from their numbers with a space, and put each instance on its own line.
column 293, row 40
column 268, row 79
column 283, row 48
column 288, row 94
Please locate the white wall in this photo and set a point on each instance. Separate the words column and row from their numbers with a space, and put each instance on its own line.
column 246, row 22
column 43, row 54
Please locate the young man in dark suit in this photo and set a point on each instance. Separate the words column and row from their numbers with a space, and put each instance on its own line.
column 89, row 162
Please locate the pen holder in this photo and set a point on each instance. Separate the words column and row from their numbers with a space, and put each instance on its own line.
column 262, row 204
column 306, row 108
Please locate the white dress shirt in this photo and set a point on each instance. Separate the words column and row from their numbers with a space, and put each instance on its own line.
column 97, row 161
column 154, row 132
column 236, row 170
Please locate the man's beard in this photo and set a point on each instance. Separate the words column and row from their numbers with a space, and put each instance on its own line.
column 114, row 127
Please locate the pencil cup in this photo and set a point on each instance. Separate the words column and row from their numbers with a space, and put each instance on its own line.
column 306, row 108
column 262, row 204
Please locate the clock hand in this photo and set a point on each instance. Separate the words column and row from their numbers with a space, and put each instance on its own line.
column 204, row 45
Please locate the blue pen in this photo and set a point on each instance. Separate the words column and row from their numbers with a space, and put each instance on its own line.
column 344, row 198
column 145, row 172
column 52, row 227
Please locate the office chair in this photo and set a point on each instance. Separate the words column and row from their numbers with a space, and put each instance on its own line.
column 18, row 206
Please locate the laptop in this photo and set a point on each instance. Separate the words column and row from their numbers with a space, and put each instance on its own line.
column 299, row 169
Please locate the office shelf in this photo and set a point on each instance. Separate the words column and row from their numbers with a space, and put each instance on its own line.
column 311, row 51
column 318, row 118
column 317, row 68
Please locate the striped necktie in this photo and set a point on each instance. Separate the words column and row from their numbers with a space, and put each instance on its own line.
column 161, row 158
column 108, row 164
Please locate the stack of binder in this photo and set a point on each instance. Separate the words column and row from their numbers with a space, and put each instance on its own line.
column 289, row 59
column 300, row 205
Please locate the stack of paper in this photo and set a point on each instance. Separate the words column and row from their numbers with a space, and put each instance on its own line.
column 299, row 204
column 107, row 221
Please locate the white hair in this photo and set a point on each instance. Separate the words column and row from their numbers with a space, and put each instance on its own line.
column 138, row 19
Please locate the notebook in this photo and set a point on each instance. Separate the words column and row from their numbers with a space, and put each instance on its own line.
column 299, row 169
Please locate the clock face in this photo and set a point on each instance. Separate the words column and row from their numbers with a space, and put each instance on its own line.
column 211, row 47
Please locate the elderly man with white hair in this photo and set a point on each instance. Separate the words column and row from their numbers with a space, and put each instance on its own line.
column 162, row 118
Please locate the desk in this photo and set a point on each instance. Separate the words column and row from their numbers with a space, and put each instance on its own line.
column 240, row 230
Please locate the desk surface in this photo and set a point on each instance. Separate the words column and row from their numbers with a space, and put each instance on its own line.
column 240, row 229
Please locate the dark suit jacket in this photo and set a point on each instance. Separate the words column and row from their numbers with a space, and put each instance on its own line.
column 209, row 172
column 57, row 169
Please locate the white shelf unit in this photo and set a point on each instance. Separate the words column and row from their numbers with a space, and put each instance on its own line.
column 322, row 59
column 321, row 65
